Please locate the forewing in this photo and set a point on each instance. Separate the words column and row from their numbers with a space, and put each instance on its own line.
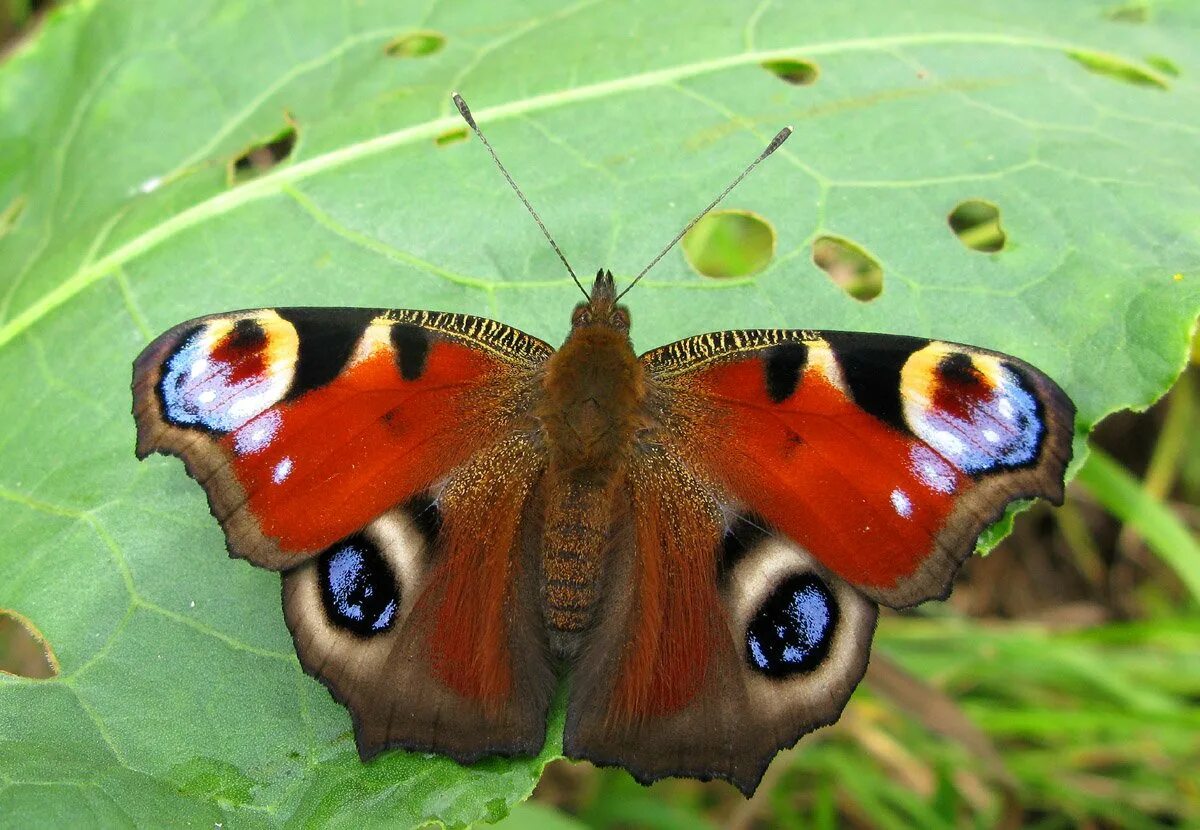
column 303, row 425
column 883, row 456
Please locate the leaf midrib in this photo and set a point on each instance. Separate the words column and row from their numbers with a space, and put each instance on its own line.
column 274, row 182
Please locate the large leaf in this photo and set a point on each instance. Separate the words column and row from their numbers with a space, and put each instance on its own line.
column 179, row 697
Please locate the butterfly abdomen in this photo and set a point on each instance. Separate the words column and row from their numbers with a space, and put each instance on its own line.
column 573, row 545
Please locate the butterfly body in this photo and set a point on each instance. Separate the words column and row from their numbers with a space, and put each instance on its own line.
column 588, row 418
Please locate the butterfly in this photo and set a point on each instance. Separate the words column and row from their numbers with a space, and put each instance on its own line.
column 697, row 539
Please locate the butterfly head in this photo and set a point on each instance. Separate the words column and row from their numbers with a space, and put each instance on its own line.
column 601, row 309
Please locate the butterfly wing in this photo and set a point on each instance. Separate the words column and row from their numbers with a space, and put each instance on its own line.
column 793, row 480
column 384, row 460
column 426, row 623
column 718, row 641
column 883, row 456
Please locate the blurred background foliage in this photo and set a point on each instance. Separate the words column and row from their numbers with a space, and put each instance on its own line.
column 1057, row 687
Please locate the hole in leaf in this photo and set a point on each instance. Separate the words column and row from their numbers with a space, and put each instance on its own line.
column 260, row 158
column 854, row 270
column 1129, row 13
column 729, row 243
column 415, row 45
column 1163, row 65
column 976, row 223
column 453, row 136
column 793, row 70
column 1117, row 68
column 11, row 214
column 23, row 649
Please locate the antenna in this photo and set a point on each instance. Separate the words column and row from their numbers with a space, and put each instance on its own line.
column 775, row 144
column 465, row 112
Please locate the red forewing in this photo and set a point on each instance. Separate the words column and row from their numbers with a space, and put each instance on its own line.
column 305, row 424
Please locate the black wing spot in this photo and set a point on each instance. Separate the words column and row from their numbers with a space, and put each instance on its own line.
column 958, row 368
column 358, row 588
column 412, row 348
column 871, row 364
column 247, row 336
column 327, row 338
column 783, row 365
column 792, row 631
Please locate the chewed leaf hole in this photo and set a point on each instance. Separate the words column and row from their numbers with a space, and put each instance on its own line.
column 260, row 158
column 1118, row 68
column 11, row 214
column 793, row 70
column 976, row 223
column 1129, row 13
column 415, row 45
column 854, row 270
column 23, row 649
column 729, row 243
column 453, row 136
column 1163, row 65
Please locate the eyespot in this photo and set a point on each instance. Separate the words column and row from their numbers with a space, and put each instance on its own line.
column 224, row 372
column 976, row 410
column 357, row 586
column 792, row 630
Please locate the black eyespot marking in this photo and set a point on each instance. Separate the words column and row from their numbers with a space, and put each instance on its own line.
column 327, row 338
column 412, row 348
column 357, row 586
column 958, row 368
column 871, row 364
column 792, row 631
column 247, row 336
column 742, row 536
column 783, row 365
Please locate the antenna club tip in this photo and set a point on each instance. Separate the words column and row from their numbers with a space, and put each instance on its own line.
column 463, row 110
column 776, row 142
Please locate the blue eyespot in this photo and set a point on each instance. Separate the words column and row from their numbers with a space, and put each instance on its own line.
column 791, row 632
column 358, row 587
column 219, row 386
column 990, row 428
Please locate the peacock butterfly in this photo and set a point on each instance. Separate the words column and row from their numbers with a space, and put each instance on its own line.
column 697, row 538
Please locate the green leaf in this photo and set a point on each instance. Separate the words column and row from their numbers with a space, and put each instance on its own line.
column 124, row 209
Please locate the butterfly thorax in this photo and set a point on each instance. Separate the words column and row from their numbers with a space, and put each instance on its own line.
column 590, row 413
